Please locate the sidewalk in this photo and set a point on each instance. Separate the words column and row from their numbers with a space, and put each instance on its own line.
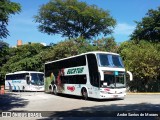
column 142, row 93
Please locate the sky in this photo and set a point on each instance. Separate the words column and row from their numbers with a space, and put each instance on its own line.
column 23, row 27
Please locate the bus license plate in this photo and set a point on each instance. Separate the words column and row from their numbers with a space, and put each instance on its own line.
column 38, row 88
column 115, row 96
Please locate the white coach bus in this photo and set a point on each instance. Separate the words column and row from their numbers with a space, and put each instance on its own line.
column 25, row 81
column 96, row 74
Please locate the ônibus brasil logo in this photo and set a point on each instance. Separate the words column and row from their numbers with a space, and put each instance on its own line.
column 75, row 70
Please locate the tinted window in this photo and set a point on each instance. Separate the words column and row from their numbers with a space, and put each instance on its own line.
column 103, row 60
column 74, row 62
column 117, row 61
column 75, row 79
column 37, row 79
column 113, row 80
column 108, row 60
column 71, row 62
column 16, row 76
column 93, row 70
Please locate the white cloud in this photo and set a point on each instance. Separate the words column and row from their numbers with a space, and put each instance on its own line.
column 124, row 29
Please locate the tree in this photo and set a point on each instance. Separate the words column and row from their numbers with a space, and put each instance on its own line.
column 149, row 28
column 65, row 49
column 25, row 57
column 3, row 44
column 74, row 19
column 3, row 52
column 106, row 44
column 3, row 57
column 143, row 60
column 7, row 8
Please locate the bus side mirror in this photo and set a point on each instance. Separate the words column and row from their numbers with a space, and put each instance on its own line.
column 130, row 75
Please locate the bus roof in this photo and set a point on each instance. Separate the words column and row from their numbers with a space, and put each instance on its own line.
column 24, row 72
column 93, row 52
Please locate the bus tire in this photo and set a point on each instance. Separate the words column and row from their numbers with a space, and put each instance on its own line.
column 23, row 89
column 50, row 89
column 54, row 90
column 84, row 94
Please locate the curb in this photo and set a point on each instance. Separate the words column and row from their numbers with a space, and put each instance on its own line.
column 143, row 93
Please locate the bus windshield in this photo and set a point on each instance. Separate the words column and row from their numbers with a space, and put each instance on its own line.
column 114, row 81
column 108, row 60
column 37, row 79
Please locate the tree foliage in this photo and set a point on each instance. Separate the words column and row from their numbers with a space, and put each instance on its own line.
column 74, row 19
column 7, row 8
column 80, row 45
column 67, row 48
column 25, row 57
column 142, row 54
column 143, row 60
column 33, row 56
column 106, row 44
column 3, row 52
column 4, row 49
column 149, row 28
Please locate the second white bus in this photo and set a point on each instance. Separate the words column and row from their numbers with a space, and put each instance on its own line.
column 25, row 81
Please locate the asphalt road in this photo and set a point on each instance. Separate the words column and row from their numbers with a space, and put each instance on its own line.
column 62, row 106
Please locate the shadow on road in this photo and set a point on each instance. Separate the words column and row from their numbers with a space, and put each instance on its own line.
column 11, row 100
column 107, row 111
column 80, row 98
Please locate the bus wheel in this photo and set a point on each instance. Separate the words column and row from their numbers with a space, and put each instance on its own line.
column 54, row 90
column 23, row 88
column 84, row 94
column 50, row 89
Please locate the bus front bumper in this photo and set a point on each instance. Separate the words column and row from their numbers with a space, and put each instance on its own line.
column 112, row 96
